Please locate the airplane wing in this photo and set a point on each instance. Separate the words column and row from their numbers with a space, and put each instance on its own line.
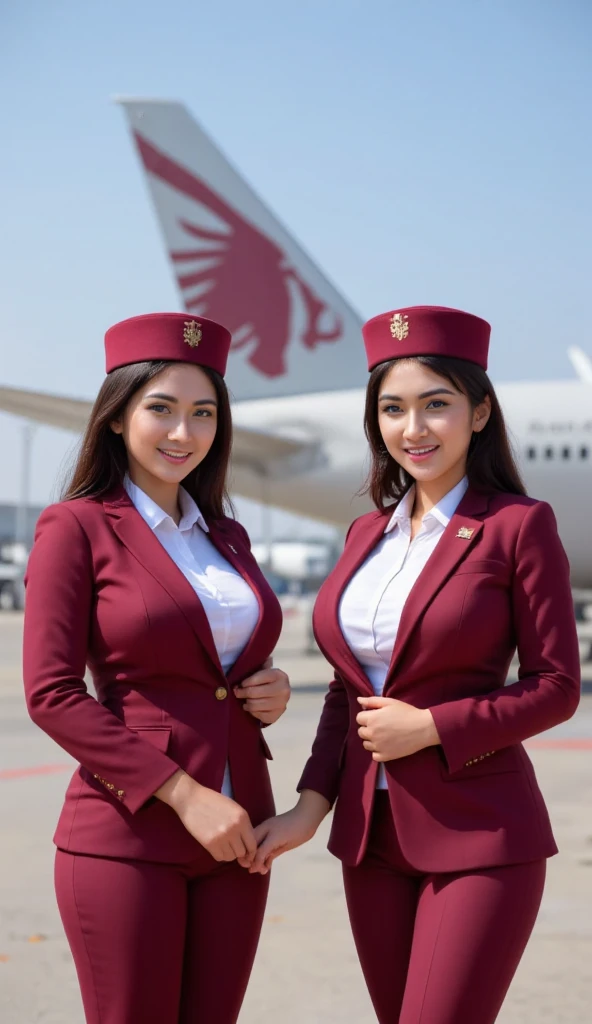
column 263, row 453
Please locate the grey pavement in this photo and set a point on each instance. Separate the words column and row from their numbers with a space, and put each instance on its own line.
column 306, row 970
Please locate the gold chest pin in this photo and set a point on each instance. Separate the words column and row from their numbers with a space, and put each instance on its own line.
column 192, row 333
column 464, row 533
column 399, row 326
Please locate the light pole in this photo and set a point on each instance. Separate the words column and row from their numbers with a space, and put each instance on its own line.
column 22, row 509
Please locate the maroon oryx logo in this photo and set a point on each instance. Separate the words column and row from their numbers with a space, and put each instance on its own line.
column 239, row 276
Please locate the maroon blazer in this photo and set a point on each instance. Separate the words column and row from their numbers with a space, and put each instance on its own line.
column 498, row 581
column 102, row 592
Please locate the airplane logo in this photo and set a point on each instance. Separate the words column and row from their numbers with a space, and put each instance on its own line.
column 239, row 276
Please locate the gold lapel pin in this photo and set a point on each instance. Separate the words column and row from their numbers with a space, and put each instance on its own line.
column 232, row 548
column 464, row 533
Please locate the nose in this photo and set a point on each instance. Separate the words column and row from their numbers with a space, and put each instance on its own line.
column 415, row 428
column 180, row 431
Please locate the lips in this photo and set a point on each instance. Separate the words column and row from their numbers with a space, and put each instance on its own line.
column 421, row 454
column 175, row 457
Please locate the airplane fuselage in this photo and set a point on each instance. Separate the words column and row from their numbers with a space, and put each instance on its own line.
column 550, row 424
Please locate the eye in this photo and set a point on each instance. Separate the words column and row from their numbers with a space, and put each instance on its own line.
column 158, row 408
column 203, row 412
column 391, row 408
column 437, row 403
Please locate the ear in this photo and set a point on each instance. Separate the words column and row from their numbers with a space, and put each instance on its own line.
column 481, row 414
column 116, row 426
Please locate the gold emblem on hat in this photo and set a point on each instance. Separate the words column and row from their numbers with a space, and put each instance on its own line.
column 192, row 333
column 464, row 533
column 399, row 326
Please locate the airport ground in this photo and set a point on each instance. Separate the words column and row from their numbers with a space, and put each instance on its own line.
column 306, row 970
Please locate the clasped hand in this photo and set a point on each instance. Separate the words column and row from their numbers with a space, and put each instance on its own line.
column 266, row 693
column 390, row 728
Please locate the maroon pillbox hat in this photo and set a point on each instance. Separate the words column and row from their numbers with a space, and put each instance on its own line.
column 426, row 331
column 177, row 337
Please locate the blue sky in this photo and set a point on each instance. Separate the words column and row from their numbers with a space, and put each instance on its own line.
column 421, row 151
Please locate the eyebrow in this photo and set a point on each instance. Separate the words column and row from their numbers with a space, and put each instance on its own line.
column 424, row 394
column 170, row 398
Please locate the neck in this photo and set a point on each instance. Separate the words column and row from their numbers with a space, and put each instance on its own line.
column 165, row 495
column 429, row 493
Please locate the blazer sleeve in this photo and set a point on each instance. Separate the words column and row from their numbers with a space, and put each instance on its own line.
column 322, row 769
column 548, row 688
column 58, row 615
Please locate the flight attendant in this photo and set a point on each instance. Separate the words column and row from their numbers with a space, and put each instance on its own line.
column 439, row 823
column 141, row 576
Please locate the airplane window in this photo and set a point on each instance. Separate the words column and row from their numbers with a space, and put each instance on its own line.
column 565, row 453
column 548, row 453
column 584, row 452
column 531, row 453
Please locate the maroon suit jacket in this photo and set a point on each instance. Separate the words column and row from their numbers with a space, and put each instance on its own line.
column 472, row 802
column 102, row 592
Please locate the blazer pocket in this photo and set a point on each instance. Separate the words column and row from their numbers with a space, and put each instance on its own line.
column 158, row 735
column 499, row 763
column 488, row 566
column 266, row 749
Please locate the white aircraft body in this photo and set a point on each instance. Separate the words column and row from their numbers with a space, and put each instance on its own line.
column 296, row 366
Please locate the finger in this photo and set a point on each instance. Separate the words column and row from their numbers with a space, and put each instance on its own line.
column 226, row 853
column 271, row 704
column 268, row 675
column 363, row 718
column 268, row 663
column 369, row 745
column 364, row 733
column 238, row 847
column 263, row 689
column 380, row 757
column 374, row 703
column 248, row 838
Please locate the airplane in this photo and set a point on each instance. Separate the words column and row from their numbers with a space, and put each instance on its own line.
column 296, row 364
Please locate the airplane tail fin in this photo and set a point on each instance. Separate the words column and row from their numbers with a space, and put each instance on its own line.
column 234, row 262
column 581, row 363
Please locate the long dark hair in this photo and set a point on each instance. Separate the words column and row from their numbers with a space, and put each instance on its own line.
column 102, row 458
column 491, row 466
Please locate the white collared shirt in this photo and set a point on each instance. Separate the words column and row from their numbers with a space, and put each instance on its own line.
column 231, row 606
column 372, row 603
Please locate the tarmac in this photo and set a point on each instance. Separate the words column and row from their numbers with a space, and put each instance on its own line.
column 306, row 970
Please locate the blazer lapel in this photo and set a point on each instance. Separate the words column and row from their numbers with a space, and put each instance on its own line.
column 455, row 543
column 139, row 539
column 354, row 554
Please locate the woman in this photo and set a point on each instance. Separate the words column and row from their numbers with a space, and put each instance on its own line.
column 153, row 587
column 440, row 824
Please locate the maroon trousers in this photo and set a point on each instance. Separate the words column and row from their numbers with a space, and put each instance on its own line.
column 437, row 949
column 157, row 943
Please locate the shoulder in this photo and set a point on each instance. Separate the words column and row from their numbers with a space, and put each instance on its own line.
column 368, row 520
column 76, row 516
column 520, row 516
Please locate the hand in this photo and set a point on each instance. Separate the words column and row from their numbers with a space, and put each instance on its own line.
column 266, row 693
column 218, row 823
column 287, row 831
column 391, row 728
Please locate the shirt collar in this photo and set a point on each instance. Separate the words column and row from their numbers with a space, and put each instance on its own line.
column 442, row 512
column 154, row 515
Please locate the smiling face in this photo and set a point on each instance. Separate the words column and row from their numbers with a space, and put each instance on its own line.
column 168, row 428
column 427, row 424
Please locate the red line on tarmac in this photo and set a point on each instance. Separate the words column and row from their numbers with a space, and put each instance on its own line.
column 568, row 743
column 41, row 769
